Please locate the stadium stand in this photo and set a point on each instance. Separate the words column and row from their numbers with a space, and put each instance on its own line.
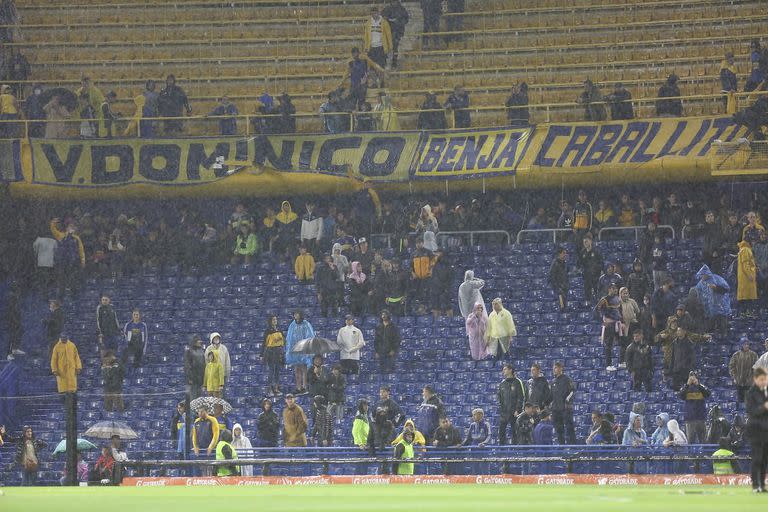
column 235, row 300
column 245, row 48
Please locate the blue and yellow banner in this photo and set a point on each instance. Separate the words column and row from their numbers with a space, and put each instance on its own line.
column 548, row 154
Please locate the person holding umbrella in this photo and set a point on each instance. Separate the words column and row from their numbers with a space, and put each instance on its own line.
column 299, row 329
column 351, row 341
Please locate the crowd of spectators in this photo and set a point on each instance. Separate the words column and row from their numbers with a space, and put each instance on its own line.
column 89, row 113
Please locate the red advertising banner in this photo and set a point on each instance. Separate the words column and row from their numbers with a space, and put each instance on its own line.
column 566, row 479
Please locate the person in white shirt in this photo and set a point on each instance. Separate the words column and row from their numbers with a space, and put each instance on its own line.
column 45, row 250
column 311, row 229
column 351, row 341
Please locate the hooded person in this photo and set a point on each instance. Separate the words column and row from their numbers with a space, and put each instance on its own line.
column 676, row 436
column 194, row 366
column 501, row 330
column 713, row 293
column 469, row 293
column 717, row 425
column 240, row 442
column 661, row 433
column 410, row 426
column 222, row 353
column 340, row 261
column 361, row 426
column 476, row 324
column 268, row 424
column 430, row 241
column 746, row 276
column 359, row 286
column 634, row 435
column 299, row 329
column 286, row 228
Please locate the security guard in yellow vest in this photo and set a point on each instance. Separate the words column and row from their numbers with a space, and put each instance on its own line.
column 404, row 450
column 225, row 451
column 724, row 466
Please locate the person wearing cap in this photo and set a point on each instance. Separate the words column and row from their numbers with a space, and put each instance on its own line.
column 672, row 107
column 268, row 425
column 501, row 329
column 107, row 116
column 9, row 111
column 695, row 396
column 65, row 364
column 620, row 101
column 294, row 423
column 740, row 369
column 222, row 356
column 351, row 341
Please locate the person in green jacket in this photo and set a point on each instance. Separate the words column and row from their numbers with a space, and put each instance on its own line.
column 225, row 451
column 361, row 425
column 726, row 465
column 404, row 451
column 246, row 245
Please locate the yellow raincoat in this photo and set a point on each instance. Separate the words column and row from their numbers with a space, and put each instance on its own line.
column 65, row 365
column 747, row 274
column 418, row 437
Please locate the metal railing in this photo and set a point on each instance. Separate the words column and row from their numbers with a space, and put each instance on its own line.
column 447, row 234
column 636, row 229
column 693, row 227
column 484, row 460
column 348, row 119
column 554, row 232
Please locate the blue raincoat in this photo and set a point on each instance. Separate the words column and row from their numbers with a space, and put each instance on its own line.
column 714, row 302
column 662, row 432
column 296, row 333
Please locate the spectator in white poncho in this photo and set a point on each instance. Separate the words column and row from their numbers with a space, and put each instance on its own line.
column 469, row 293
column 240, row 442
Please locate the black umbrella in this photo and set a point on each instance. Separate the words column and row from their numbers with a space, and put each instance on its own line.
column 66, row 97
column 316, row 345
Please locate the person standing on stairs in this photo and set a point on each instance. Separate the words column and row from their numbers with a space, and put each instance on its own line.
column 108, row 325
column 378, row 39
column 398, row 18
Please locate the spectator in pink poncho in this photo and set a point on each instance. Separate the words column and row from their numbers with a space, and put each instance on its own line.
column 477, row 321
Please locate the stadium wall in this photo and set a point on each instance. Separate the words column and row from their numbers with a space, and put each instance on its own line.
column 565, row 480
column 546, row 155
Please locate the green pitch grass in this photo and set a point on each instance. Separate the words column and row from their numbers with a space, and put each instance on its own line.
column 338, row 498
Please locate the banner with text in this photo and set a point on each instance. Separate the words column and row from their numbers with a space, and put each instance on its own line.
column 573, row 153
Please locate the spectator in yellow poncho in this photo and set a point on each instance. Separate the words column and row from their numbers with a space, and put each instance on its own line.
column 65, row 364
column 747, row 277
